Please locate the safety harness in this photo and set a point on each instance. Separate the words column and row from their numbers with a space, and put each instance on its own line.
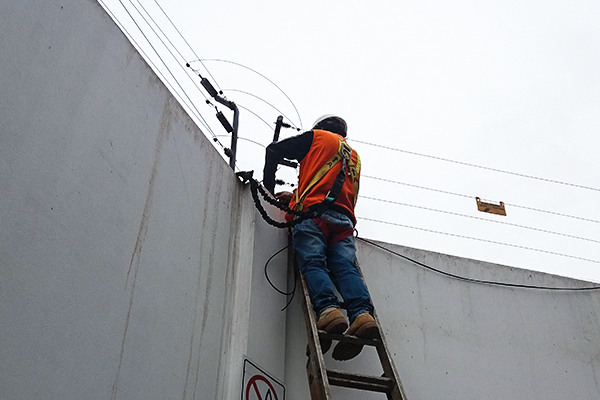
column 343, row 155
column 315, row 211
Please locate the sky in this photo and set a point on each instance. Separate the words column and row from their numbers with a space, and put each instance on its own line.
column 445, row 101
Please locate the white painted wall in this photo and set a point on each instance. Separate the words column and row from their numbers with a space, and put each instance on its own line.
column 458, row 340
column 132, row 260
column 127, row 251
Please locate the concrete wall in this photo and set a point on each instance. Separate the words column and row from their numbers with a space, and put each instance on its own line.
column 132, row 260
column 129, row 266
column 452, row 339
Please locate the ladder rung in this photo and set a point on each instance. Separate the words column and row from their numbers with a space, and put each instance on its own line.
column 320, row 378
column 358, row 381
column 349, row 339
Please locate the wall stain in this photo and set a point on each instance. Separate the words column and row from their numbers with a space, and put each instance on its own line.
column 163, row 135
column 141, row 237
column 212, row 246
column 205, row 231
column 185, row 185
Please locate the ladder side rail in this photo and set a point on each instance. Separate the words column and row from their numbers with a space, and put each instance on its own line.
column 389, row 369
column 315, row 368
column 387, row 363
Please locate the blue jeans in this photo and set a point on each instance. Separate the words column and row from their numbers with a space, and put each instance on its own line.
column 324, row 266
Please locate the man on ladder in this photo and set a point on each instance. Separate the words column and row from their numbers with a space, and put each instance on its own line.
column 325, row 247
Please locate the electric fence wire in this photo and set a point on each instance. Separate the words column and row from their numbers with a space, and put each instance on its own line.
column 477, row 166
column 479, row 218
column 246, row 139
column 183, row 59
column 161, row 31
column 192, row 108
column 367, row 143
column 408, row 152
column 472, row 197
column 264, row 101
column 263, row 76
column 148, row 59
column 255, row 114
column 199, row 115
column 477, row 239
column 463, row 215
column 259, row 74
column 187, row 43
column 140, row 49
column 471, row 280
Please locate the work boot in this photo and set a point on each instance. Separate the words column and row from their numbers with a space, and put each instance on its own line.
column 364, row 326
column 331, row 320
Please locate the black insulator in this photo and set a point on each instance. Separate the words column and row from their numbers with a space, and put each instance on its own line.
column 227, row 152
column 224, row 122
column 209, row 87
column 278, row 126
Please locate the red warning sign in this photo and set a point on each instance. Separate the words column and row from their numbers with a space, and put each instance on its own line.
column 259, row 385
column 259, row 388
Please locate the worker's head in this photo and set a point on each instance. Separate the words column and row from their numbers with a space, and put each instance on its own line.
column 331, row 123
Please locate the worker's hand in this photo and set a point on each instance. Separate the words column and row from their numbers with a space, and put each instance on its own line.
column 284, row 197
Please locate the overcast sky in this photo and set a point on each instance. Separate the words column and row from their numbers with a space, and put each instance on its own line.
column 511, row 86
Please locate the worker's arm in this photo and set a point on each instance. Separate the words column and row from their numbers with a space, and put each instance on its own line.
column 294, row 148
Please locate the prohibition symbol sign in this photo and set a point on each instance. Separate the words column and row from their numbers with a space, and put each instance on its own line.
column 259, row 388
column 258, row 384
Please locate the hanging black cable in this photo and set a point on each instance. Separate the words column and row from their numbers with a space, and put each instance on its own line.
column 256, row 187
column 471, row 280
column 267, row 274
column 293, row 292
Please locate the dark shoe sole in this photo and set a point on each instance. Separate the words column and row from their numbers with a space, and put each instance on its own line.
column 338, row 325
column 344, row 351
